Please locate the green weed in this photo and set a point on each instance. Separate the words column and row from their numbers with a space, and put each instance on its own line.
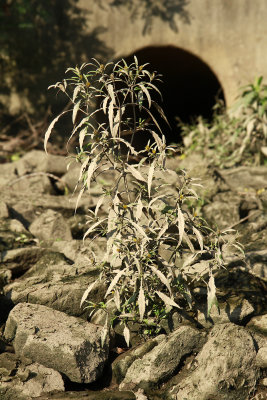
column 236, row 137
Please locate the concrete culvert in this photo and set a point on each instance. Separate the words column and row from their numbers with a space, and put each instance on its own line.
column 189, row 87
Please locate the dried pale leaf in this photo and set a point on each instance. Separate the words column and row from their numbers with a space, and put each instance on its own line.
column 199, row 237
column 163, row 230
column 139, row 209
column 105, row 331
column 116, row 124
column 138, row 228
column 51, row 126
column 157, row 139
column 127, row 144
column 86, row 293
column 138, row 265
column 81, row 137
column 126, row 334
column 117, row 299
column 153, row 118
column 167, row 300
column 161, row 112
column 99, row 204
column 83, row 121
column 250, row 126
column 75, row 93
column 212, row 299
column 150, row 177
column 75, row 110
column 78, row 199
column 181, row 225
column 141, row 302
column 163, row 278
column 162, row 196
column 264, row 150
column 188, row 242
column 83, row 166
column 111, row 93
column 111, row 116
column 144, row 89
column 104, row 105
column 93, row 227
column 114, row 281
column 136, row 174
column 189, row 260
column 91, row 170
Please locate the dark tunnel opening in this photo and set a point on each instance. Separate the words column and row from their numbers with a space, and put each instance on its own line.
column 189, row 87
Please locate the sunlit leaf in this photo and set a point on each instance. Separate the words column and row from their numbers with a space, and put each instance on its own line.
column 167, row 300
column 136, row 174
column 139, row 209
column 92, row 228
column 86, row 293
column 181, row 225
column 212, row 299
column 75, row 110
column 163, row 279
column 199, row 237
column 126, row 334
column 141, row 302
column 144, row 89
column 114, row 281
column 51, row 126
column 150, row 177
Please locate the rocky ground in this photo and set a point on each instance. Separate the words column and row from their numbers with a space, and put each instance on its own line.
column 48, row 349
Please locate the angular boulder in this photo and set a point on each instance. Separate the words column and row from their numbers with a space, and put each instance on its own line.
column 225, row 368
column 66, row 344
column 159, row 364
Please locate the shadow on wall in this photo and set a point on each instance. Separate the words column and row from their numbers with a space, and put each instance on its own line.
column 39, row 40
column 189, row 87
column 149, row 10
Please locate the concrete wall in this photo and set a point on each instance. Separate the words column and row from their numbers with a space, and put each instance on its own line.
column 230, row 36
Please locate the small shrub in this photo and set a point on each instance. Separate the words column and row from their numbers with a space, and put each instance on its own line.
column 145, row 221
column 235, row 137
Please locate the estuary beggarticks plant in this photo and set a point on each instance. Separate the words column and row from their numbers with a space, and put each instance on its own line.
column 144, row 219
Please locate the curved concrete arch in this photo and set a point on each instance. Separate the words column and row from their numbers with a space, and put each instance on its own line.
column 190, row 87
column 229, row 36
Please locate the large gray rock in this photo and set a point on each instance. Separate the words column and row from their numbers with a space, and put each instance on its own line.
column 23, row 379
column 18, row 261
column 225, row 368
column 50, row 225
column 66, row 344
column 56, row 283
column 245, row 177
column 121, row 365
column 235, row 310
column 158, row 364
column 258, row 324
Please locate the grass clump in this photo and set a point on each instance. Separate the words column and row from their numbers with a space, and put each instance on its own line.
column 233, row 138
column 145, row 221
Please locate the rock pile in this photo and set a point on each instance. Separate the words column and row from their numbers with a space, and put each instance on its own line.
column 49, row 350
